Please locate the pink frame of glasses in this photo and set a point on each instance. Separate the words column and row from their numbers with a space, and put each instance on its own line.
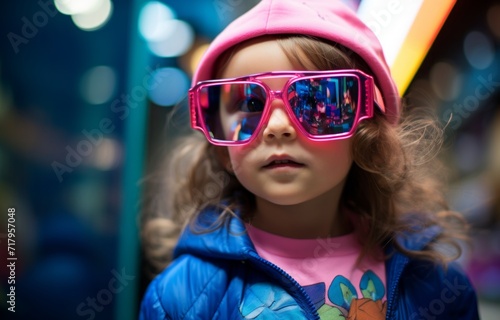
column 368, row 96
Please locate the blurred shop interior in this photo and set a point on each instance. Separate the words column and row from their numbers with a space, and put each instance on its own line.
column 86, row 91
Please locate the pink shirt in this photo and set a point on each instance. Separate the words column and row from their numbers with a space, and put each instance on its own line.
column 326, row 268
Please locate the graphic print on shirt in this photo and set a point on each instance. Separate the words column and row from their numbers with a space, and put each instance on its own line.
column 348, row 302
column 263, row 301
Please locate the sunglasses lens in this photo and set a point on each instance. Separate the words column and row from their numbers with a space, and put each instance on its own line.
column 325, row 105
column 232, row 111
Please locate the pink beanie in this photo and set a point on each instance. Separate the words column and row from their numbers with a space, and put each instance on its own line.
column 328, row 19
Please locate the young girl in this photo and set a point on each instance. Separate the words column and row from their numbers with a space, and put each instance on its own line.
column 293, row 221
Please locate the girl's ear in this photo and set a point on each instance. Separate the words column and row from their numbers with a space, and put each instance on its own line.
column 222, row 156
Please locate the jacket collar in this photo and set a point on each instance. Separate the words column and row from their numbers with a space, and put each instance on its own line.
column 397, row 262
column 231, row 241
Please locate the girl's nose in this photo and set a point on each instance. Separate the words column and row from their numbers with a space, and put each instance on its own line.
column 279, row 125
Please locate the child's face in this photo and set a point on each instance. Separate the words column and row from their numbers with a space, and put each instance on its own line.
column 312, row 169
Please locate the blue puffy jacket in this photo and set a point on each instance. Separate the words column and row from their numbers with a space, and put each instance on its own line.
column 219, row 275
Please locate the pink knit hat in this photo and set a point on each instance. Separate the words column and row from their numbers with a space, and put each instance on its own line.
column 328, row 19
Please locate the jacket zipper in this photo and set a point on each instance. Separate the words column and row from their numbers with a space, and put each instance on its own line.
column 394, row 287
column 302, row 297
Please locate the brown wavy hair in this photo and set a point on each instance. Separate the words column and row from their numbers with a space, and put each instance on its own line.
column 396, row 174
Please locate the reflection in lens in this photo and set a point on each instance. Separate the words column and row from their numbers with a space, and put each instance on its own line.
column 232, row 111
column 324, row 105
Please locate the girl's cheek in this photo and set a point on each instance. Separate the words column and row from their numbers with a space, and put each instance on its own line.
column 236, row 156
column 240, row 152
column 241, row 157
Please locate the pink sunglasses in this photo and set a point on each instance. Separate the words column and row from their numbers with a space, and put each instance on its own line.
column 322, row 105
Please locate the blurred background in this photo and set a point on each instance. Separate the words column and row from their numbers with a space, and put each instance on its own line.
column 86, row 88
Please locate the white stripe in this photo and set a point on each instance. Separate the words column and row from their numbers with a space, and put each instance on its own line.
column 391, row 21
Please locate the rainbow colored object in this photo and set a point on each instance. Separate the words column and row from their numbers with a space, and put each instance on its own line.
column 406, row 30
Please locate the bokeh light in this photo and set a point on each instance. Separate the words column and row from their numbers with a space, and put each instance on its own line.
column 107, row 154
column 98, row 85
column 196, row 57
column 95, row 18
column 493, row 18
column 172, row 86
column 152, row 20
column 446, row 81
column 165, row 35
column 70, row 7
column 478, row 49
column 177, row 39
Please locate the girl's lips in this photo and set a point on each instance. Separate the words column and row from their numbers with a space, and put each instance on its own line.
column 282, row 162
column 275, row 165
